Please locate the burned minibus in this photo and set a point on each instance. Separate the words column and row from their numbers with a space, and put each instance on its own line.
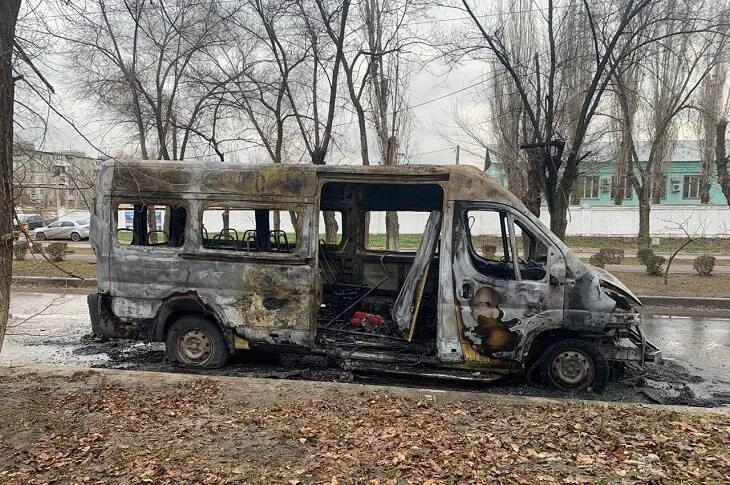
column 211, row 259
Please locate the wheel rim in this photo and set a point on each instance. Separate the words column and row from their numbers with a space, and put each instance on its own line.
column 194, row 347
column 75, row 237
column 572, row 368
column 41, row 236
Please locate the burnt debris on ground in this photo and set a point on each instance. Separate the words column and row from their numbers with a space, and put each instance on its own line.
column 667, row 383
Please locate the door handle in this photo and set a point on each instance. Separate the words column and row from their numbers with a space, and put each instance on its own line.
column 466, row 290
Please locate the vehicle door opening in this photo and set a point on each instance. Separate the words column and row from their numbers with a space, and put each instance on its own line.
column 376, row 294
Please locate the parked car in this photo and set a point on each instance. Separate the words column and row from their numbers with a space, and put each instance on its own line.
column 27, row 223
column 73, row 230
column 34, row 221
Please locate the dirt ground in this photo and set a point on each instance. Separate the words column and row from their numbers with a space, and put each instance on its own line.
column 131, row 427
column 715, row 286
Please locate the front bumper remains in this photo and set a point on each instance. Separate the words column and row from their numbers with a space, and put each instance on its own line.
column 631, row 345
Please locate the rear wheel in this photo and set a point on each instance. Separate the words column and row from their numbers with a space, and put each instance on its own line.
column 196, row 342
column 75, row 237
column 575, row 365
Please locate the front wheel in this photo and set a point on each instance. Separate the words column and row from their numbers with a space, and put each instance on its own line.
column 575, row 365
column 41, row 236
column 196, row 342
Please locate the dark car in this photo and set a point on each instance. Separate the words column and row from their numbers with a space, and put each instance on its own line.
column 29, row 221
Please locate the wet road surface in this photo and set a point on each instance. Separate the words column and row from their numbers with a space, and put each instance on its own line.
column 54, row 328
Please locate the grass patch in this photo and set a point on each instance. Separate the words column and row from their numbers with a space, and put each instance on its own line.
column 717, row 286
column 668, row 244
column 41, row 267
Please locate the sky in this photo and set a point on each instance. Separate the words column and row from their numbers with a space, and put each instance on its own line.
column 435, row 92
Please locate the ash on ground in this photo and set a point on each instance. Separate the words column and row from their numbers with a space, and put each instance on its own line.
column 666, row 383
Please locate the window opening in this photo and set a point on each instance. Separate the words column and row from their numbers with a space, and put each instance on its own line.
column 249, row 230
column 411, row 226
column 151, row 225
column 490, row 235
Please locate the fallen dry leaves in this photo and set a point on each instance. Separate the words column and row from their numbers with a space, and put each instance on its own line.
column 86, row 428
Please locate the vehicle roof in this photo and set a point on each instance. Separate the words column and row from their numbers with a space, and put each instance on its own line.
column 465, row 182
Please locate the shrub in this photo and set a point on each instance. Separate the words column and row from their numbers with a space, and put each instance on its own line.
column 489, row 250
column 644, row 254
column 36, row 248
column 598, row 260
column 704, row 265
column 20, row 249
column 57, row 251
column 655, row 265
column 612, row 256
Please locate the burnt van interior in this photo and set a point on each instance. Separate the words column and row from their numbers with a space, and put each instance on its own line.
column 377, row 294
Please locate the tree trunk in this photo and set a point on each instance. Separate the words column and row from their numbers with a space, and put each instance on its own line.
column 392, row 231
column 330, row 227
column 721, row 160
column 276, row 216
column 644, row 213
column 151, row 225
column 392, row 228
column 8, row 18
column 559, row 217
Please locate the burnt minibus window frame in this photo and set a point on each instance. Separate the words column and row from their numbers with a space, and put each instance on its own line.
column 177, row 227
column 233, row 238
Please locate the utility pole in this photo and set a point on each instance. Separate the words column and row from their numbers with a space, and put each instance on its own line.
column 487, row 159
column 458, row 149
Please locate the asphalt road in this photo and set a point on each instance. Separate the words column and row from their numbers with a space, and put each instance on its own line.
column 53, row 328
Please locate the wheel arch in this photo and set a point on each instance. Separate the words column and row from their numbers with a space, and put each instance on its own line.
column 540, row 341
column 183, row 304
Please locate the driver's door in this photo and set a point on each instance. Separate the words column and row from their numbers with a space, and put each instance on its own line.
column 53, row 230
column 509, row 278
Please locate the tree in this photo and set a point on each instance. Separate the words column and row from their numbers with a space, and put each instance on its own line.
column 388, row 82
column 136, row 59
column 710, row 106
column 9, row 10
column 669, row 73
column 721, row 159
column 580, row 47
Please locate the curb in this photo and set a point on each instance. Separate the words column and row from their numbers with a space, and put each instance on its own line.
column 685, row 301
column 55, row 282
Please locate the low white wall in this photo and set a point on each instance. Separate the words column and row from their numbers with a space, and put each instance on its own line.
column 664, row 221
column 602, row 221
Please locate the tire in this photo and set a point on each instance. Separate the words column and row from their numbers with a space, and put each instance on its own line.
column 75, row 237
column 196, row 342
column 40, row 236
column 574, row 365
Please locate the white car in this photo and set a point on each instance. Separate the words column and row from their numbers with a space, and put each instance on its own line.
column 73, row 230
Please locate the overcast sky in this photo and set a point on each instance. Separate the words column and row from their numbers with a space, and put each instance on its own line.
column 435, row 93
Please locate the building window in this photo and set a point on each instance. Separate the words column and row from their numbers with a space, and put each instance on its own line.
column 590, row 187
column 617, row 187
column 691, row 188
